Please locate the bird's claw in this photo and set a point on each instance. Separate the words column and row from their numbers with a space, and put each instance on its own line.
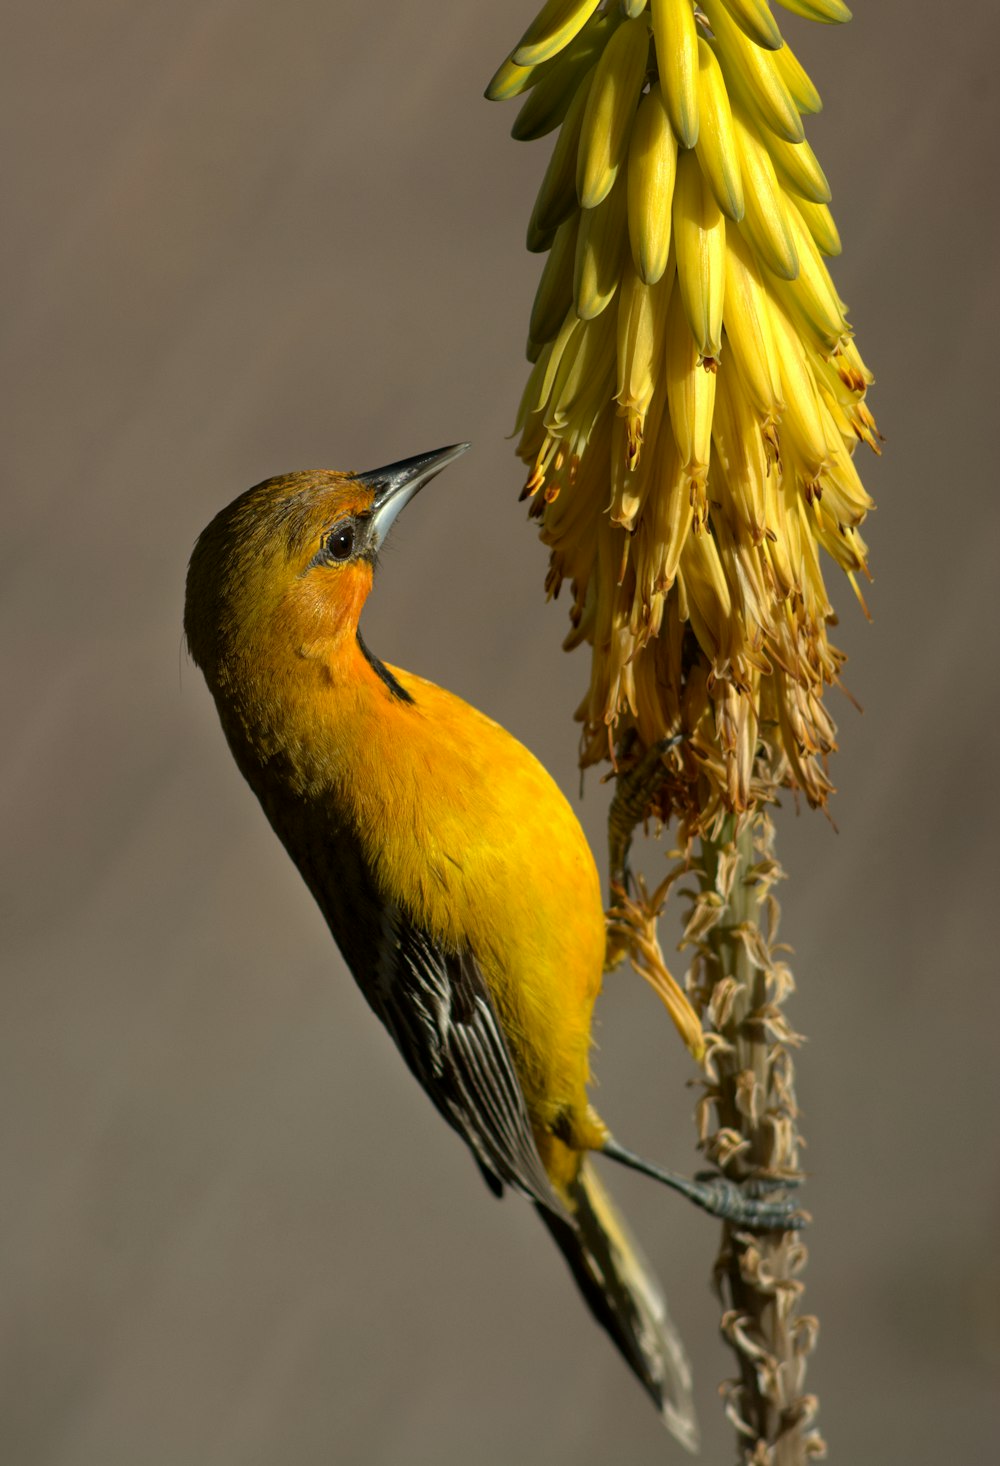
column 745, row 1204
column 634, row 790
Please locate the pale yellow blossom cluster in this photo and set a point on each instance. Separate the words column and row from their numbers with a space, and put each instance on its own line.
column 696, row 394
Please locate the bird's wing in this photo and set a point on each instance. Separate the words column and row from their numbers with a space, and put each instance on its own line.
column 438, row 1009
column 435, row 1004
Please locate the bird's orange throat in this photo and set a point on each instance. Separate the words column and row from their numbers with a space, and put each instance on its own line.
column 292, row 673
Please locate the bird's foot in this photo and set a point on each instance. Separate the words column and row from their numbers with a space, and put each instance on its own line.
column 743, row 1204
column 748, row 1203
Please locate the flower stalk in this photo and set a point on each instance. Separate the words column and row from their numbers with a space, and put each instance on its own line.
column 748, row 1121
column 688, row 427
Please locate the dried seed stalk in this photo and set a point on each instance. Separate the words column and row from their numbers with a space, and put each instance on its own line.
column 748, row 1122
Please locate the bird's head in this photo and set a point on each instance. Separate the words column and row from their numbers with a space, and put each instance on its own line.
column 289, row 563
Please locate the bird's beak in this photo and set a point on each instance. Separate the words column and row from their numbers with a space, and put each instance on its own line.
column 395, row 485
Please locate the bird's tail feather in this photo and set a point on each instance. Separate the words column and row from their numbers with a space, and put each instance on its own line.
column 625, row 1297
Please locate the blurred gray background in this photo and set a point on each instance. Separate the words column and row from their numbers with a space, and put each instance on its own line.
column 242, row 238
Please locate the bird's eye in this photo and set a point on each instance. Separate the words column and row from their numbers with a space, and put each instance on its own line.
column 339, row 543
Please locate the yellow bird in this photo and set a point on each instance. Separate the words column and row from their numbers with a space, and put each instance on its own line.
column 451, row 870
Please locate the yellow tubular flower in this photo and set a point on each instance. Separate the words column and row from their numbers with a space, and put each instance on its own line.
column 554, row 295
column 641, row 313
column 765, row 223
column 600, row 245
column 611, row 106
column 652, row 173
column 819, row 221
column 716, row 145
column 552, row 29
column 696, row 395
column 553, row 84
column 700, row 244
column 798, row 81
column 755, row 18
column 677, row 58
column 797, row 167
column 690, row 384
column 752, row 74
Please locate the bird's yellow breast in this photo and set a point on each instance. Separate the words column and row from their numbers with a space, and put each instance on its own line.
column 464, row 827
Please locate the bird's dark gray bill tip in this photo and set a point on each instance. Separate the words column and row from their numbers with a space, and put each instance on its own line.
column 396, row 484
column 406, row 472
